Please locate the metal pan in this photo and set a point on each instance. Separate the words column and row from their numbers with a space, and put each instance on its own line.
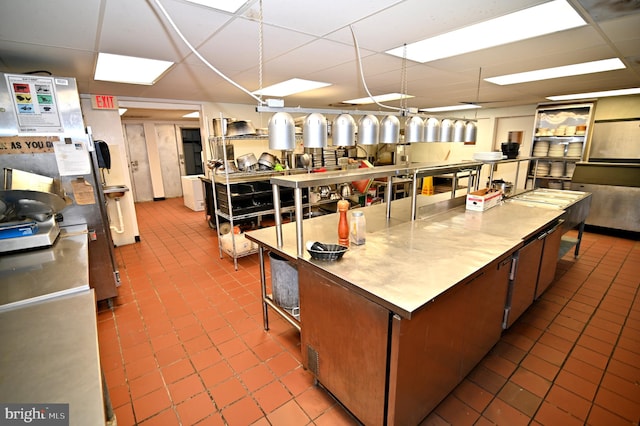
column 240, row 128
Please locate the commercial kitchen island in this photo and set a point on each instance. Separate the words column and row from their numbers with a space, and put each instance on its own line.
column 392, row 327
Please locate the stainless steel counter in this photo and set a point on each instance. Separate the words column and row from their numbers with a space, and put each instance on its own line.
column 41, row 274
column 405, row 264
column 48, row 329
column 49, row 354
column 398, row 322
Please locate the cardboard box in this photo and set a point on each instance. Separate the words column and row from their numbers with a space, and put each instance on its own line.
column 483, row 200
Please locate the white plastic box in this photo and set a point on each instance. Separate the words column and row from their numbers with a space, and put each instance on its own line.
column 193, row 192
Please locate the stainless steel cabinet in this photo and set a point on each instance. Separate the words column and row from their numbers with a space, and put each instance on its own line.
column 370, row 358
column 549, row 259
column 524, row 276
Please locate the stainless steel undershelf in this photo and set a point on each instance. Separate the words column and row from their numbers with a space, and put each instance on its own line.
column 340, row 176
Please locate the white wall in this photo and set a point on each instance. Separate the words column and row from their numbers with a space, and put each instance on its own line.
column 105, row 125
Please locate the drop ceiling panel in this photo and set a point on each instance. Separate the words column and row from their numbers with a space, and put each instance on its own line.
column 20, row 58
column 318, row 18
column 414, row 20
column 197, row 23
column 317, row 55
column 623, row 29
column 65, row 23
column 240, row 42
column 602, row 10
column 135, row 28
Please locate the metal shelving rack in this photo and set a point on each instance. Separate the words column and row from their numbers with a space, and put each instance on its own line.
column 228, row 179
column 557, row 116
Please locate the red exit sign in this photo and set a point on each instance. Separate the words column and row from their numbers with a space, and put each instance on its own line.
column 104, row 102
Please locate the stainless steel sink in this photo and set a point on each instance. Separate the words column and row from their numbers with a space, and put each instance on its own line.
column 114, row 191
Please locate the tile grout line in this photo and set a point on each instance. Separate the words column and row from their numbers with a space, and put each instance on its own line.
column 544, row 398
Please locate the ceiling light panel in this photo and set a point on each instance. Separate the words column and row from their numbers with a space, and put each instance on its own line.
column 590, row 95
column 230, row 6
column 451, row 108
column 129, row 69
column 557, row 72
column 289, row 87
column 378, row 98
column 546, row 18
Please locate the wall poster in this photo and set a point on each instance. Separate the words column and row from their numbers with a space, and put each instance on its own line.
column 35, row 103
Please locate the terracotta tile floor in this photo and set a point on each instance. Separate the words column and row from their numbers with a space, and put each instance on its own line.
column 184, row 343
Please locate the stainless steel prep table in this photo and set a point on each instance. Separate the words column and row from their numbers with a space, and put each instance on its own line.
column 430, row 294
column 324, row 228
column 35, row 275
column 50, row 355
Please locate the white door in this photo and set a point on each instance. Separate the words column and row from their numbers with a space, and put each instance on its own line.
column 139, row 162
column 167, row 140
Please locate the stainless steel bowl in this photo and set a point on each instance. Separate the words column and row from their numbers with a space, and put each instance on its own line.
column 267, row 160
column 247, row 162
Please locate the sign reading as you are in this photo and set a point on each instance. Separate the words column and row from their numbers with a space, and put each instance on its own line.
column 27, row 144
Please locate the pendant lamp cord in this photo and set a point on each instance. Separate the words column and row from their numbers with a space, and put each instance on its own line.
column 478, row 90
column 364, row 83
column 260, row 51
column 403, row 80
column 199, row 56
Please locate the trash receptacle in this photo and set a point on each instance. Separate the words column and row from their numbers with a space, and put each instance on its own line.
column 284, row 284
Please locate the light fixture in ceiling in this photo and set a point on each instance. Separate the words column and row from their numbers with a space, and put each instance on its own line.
column 231, row 6
column 535, row 21
column 378, row 98
column 194, row 114
column 557, row 72
column 290, row 87
column 607, row 93
column 129, row 69
column 451, row 108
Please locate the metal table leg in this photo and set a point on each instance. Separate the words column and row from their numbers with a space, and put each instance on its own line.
column 263, row 288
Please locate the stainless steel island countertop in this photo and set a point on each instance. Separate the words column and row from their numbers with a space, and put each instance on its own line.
column 405, row 264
